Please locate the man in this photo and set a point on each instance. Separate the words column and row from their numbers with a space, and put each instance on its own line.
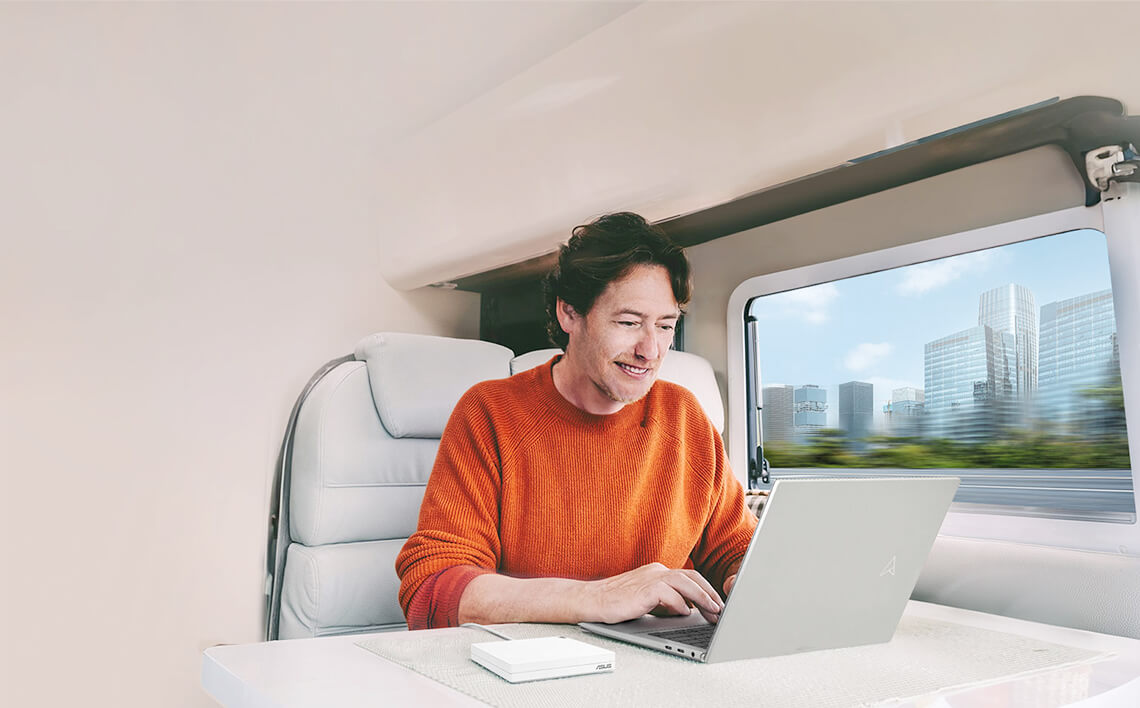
column 583, row 489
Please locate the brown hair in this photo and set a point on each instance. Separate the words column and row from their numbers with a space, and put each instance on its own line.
column 602, row 251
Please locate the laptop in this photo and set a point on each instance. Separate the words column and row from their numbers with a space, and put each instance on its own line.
column 831, row 564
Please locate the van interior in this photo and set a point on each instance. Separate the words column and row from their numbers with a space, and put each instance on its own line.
column 218, row 214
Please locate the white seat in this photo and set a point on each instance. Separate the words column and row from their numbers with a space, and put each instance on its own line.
column 364, row 443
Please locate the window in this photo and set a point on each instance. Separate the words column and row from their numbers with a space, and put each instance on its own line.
column 999, row 366
column 993, row 355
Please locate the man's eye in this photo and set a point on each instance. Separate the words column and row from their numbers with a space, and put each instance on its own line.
column 667, row 328
column 628, row 324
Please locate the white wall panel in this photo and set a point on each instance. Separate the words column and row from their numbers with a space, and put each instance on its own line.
column 185, row 237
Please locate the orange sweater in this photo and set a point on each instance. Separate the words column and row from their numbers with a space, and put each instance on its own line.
column 528, row 485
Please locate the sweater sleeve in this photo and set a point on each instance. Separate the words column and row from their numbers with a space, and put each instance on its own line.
column 458, row 521
column 729, row 527
column 436, row 603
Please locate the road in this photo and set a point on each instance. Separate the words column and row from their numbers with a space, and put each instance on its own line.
column 1106, row 494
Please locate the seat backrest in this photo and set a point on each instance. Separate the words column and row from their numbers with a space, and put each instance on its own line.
column 689, row 370
column 364, row 443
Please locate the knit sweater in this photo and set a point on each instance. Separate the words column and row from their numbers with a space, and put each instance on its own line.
column 528, row 485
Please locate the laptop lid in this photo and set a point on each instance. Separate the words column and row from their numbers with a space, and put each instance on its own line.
column 832, row 564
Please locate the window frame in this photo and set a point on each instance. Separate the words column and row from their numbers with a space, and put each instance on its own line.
column 1117, row 216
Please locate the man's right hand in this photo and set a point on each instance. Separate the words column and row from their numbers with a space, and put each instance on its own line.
column 652, row 588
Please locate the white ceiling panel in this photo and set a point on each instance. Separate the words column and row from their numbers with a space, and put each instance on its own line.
column 673, row 107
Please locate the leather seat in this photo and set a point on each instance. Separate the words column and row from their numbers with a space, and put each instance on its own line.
column 365, row 440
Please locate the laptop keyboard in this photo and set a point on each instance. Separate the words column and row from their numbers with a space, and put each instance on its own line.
column 693, row 636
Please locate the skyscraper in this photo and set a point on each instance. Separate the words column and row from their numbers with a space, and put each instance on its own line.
column 902, row 415
column 856, row 408
column 776, row 417
column 969, row 378
column 1078, row 340
column 810, row 409
column 1013, row 309
column 907, row 393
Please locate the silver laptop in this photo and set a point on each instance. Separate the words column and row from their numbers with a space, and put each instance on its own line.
column 832, row 564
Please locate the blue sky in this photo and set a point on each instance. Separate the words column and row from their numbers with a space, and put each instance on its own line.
column 873, row 327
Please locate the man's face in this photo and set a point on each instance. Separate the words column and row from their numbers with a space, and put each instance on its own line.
column 616, row 348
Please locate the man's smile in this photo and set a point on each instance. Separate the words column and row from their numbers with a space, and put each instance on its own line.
column 636, row 371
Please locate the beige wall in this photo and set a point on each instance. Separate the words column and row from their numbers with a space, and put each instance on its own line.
column 181, row 244
column 1030, row 183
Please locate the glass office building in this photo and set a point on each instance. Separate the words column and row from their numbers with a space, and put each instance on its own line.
column 1013, row 309
column 856, row 408
column 903, row 414
column 810, row 409
column 969, row 384
column 1078, row 352
column 776, row 416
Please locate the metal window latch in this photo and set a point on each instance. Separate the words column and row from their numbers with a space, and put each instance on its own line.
column 758, row 467
column 1112, row 163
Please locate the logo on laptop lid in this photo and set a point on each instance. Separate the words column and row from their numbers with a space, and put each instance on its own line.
column 889, row 568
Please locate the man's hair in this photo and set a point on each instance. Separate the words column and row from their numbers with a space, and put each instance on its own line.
column 602, row 251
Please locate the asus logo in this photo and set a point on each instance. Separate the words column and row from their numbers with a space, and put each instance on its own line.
column 600, row 667
column 889, row 569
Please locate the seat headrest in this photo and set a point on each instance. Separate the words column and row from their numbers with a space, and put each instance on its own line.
column 689, row 370
column 696, row 374
column 417, row 379
column 526, row 362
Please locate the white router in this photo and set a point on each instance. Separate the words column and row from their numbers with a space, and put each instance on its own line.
column 519, row 660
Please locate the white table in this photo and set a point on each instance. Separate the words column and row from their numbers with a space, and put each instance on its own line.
column 332, row 672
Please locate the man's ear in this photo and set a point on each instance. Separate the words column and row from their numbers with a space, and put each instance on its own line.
column 568, row 318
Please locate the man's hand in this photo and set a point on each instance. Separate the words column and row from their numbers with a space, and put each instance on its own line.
column 492, row 598
column 652, row 588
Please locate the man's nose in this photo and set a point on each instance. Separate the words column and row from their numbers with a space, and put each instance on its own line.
column 647, row 346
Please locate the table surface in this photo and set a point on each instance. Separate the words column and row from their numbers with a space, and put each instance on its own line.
column 333, row 672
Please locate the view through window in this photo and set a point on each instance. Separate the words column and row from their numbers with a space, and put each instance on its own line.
column 1000, row 366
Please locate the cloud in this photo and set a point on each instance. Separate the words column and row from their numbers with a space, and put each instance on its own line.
column 924, row 277
column 811, row 304
column 866, row 355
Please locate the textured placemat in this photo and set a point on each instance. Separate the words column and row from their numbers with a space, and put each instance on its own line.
column 925, row 656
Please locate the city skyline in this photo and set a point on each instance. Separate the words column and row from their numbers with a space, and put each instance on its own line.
column 851, row 341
